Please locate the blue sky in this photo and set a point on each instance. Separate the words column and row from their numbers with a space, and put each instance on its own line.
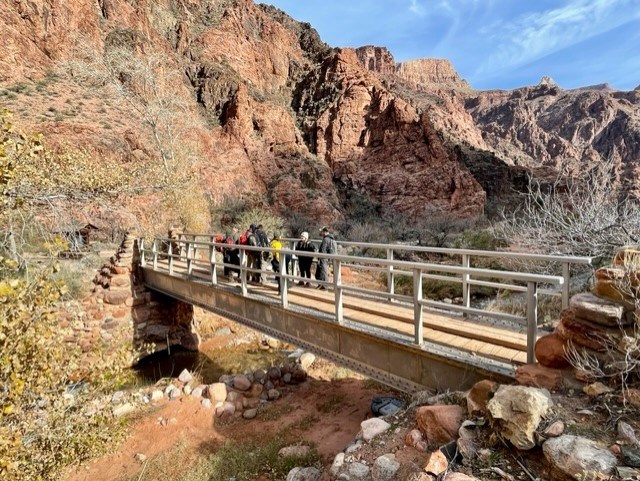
column 492, row 43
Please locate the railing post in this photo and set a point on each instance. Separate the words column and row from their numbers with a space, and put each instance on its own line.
column 189, row 265
column 212, row 263
column 143, row 257
column 170, row 254
column 466, row 293
column 284, row 282
column 417, row 306
column 566, row 275
column 243, row 271
column 390, row 275
column 154, row 249
column 532, row 320
column 337, row 286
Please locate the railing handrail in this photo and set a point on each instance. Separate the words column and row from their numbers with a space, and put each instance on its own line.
column 582, row 260
column 409, row 265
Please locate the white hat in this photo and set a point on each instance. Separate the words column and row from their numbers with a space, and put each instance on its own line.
column 304, row 235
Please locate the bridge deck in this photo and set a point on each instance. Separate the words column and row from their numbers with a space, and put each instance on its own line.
column 470, row 335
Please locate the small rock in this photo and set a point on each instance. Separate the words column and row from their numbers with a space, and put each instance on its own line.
column 250, row 413
column 168, row 389
column 123, row 410
column 287, row 378
column 273, row 394
column 259, row 375
column 233, row 396
column 206, row 403
column 175, row 393
column 586, row 412
column 296, row 354
column 187, row 390
column 304, row 474
column 467, row 448
column 554, row 430
column 628, row 474
column 217, row 391
column 185, row 376
column 226, row 409
column 596, row 389
column 226, row 379
column 273, row 343
column 241, row 382
column 615, row 449
column 358, row 471
column 385, row 468
column 156, row 395
column 467, row 430
column 413, row 437
column 140, row 457
column 372, row 427
column 630, row 456
column 337, row 464
column 436, row 463
column 197, row 392
column 626, row 433
column 306, row 360
column 298, row 451
column 275, row 373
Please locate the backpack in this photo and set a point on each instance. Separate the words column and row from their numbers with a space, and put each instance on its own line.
column 243, row 239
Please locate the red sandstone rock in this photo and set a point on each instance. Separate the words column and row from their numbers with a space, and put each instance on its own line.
column 478, row 396
column 587, row 334
column 436, row 463
column 115, row 297
column 439, row 424
column 550, row 351
column 535, row 375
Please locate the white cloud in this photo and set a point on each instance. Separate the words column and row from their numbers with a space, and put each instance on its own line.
column 417, row 8
column 534, row 35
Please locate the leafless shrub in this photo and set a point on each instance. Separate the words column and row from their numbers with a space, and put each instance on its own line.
column 583, row 216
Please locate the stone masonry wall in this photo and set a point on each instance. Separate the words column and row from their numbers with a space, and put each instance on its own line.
column 129, row 312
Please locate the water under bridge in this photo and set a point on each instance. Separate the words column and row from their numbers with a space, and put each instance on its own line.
column 405, row 339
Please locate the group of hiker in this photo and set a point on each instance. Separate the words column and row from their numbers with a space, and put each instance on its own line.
column 255, row 236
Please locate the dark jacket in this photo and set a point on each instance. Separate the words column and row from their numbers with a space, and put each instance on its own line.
column 328, row 245
column 305, row 246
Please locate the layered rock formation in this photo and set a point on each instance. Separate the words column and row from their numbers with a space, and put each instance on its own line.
column 273, row 115
column 431, row 73
column 602, row 325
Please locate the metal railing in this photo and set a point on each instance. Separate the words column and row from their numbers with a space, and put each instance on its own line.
column 200, row 254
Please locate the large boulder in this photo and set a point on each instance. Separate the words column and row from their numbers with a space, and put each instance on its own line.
column 439, row 424
column 570, row 457
column 518, row 411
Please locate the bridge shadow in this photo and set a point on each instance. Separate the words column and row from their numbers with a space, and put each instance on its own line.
column 169, row 363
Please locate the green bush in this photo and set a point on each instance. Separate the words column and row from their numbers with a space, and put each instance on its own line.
column 45, row 421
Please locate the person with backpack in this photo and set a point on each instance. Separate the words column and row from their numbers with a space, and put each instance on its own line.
column 230, row 254
column 261, row 241
column 249, row 239
column 327, row 246
column 276, row 244
column 305, row 261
